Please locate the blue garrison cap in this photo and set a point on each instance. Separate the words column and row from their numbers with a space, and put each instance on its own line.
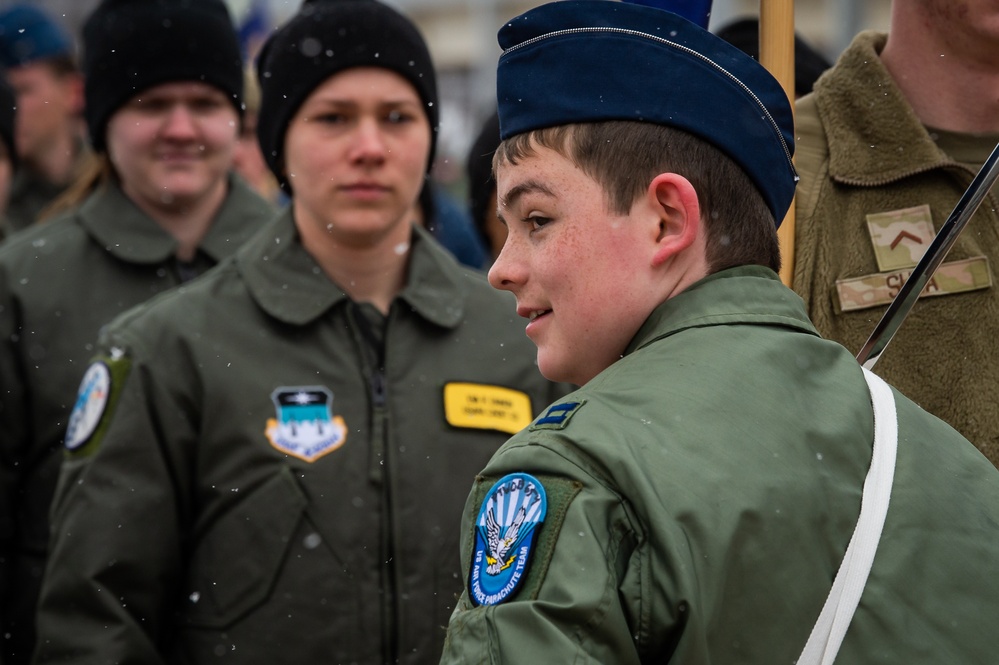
column 579, row 61
column 27, row 34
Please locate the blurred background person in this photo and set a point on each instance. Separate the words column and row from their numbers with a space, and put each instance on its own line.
column 248, row 161
column 280, row 450
column 8, row 154
column 449, row 224
column 744, row 34
column 482, row 187
column 38, row 58
column 164, row 94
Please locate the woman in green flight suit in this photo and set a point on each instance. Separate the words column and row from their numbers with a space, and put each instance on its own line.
column 163, row 99
column 271, row 463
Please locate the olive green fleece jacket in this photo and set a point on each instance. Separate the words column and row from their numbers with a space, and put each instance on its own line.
column 861, row 150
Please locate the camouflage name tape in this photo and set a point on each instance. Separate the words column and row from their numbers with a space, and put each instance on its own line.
column 881, row 288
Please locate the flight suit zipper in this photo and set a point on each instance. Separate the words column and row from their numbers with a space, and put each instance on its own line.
column 372, row 347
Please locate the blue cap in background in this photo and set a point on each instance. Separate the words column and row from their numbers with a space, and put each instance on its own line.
column 27, row 34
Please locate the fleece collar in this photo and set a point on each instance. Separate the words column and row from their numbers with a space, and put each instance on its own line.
column 869, row 125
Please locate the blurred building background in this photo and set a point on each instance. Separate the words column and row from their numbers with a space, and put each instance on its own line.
column 462, row 39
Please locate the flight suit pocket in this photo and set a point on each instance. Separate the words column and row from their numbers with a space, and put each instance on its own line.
column 233, row 568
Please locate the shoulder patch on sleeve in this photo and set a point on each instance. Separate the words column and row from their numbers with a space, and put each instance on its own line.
column 557, row 415
column 515, row 532
column 95, row 401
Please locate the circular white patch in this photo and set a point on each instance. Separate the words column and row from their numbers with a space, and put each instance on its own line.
column 91, row 401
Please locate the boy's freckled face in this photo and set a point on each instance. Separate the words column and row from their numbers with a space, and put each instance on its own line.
column 581, row 273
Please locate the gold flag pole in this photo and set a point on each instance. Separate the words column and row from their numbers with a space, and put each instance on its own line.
column 777, row 55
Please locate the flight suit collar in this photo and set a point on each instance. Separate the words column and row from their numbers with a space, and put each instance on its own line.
column 750, row 295
column 288, row 284
column 869, row 125
column 131, row 235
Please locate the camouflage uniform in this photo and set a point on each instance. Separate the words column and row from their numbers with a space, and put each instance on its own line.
column 875, row 187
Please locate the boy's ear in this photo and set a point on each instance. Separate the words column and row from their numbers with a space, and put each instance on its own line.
column 675, row 200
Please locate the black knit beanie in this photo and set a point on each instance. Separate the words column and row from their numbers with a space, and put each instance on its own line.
column 132, row 45
column 326, row 37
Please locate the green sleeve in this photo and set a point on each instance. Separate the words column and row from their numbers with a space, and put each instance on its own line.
column 117, row 528
column 581, row 600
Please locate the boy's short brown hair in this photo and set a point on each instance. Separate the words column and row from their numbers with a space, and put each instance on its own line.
column 624, row 156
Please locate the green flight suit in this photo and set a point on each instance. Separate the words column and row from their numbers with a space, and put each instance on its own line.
column 59, row 283
column 278, row 477
column 876, row 186
column 702, row 490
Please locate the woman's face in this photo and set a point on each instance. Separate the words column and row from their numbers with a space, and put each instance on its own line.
column 172, row 145
column 356, row 157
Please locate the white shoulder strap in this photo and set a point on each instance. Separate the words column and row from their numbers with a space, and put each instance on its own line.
column 827, row 635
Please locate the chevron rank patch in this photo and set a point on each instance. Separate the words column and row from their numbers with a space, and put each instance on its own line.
column 900, row 237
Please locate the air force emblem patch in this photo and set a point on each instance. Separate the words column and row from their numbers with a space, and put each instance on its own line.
column 505, row 530
column 305, row 426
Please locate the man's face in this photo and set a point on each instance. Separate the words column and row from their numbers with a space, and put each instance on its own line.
column 582, row 274
column 48, row 105
column 172, row 145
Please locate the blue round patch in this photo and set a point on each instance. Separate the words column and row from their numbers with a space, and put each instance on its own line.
column 91, row 401
column 504, row 537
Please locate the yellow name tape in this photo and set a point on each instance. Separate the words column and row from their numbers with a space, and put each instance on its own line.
column 481, row 406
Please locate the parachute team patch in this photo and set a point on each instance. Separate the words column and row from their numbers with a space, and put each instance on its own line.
column 505, row 531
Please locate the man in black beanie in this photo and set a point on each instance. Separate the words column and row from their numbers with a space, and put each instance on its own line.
column 163, row 88
column 268, row 465
column 133, row 45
